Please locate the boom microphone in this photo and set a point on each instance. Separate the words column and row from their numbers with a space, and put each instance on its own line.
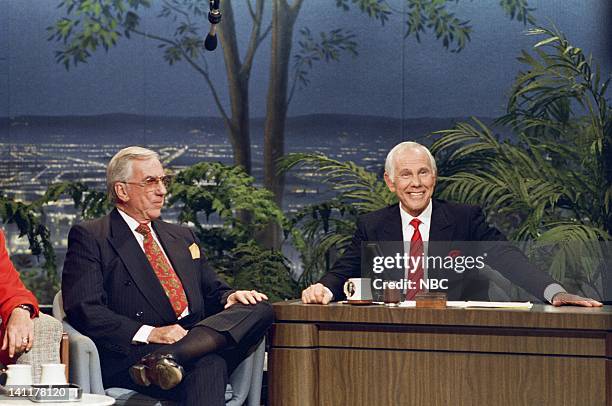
column 214, row 16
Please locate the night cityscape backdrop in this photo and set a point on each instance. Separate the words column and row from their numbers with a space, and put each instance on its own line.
column 58, row 125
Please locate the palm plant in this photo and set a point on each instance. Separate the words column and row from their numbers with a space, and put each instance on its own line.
column 212, row 189
column 327, row 227
column 552, row 182
column 29, row 218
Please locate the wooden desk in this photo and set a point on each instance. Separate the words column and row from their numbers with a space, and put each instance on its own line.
column 375, row 356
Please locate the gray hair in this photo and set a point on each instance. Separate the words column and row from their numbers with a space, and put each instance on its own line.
column 120, row 167
column 403, row 146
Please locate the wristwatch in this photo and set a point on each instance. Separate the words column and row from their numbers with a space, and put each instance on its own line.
column 27, row 307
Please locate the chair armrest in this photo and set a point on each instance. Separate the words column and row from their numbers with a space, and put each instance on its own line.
column 84, row 361
column 259, row 355
column 46, row 346
column 247, row 377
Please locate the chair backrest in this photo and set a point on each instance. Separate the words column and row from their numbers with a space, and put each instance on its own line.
column 46, row 348
column 84, row 359
column 58, row 307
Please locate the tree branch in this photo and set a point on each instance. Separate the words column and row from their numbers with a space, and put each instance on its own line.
column 266, row 32
column 178, row 10
column 255, row 39
column 194, row 65
column 155, row 37
column 295, row 7
column 293, row 85
column 204, row 73
column 251, row 10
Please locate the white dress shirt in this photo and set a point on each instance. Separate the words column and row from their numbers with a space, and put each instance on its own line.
column 142, row 335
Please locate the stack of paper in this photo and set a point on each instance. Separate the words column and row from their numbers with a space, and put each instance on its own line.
column 475, row 303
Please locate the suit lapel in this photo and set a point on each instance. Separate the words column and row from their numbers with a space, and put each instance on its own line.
column 391, row 225
column 180, row 257
column 389, row 237
column 138, row 266
column 441, row 238
column 442, row 226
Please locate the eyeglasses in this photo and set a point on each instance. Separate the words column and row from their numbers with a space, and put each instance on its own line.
column 151, row 182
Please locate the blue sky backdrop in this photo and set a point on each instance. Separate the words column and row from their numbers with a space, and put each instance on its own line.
column 391, row 76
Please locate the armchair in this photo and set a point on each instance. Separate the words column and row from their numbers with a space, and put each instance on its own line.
column 46, row 348
column 244, row 387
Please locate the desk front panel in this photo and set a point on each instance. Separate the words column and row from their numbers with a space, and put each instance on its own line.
column 385, row 377
column 357, row 360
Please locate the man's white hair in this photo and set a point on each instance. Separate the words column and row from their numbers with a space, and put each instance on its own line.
column 120, row 167
column 401, row 147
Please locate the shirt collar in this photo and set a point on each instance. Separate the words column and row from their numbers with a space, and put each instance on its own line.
column 131, row 222
column 424, row 217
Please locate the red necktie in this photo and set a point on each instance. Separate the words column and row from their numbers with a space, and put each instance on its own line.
column 416, row 254
column 167, row 277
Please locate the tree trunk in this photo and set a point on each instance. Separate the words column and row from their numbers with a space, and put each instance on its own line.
column 283, row 20
column 238, row 88
column 607, row 263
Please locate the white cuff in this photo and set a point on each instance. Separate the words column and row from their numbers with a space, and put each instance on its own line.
column 551, row 290
column 142, row 335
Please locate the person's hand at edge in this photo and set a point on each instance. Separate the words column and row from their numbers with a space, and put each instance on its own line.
column 564, row 298
column 316, row 294
column 247, row 297
column 19, row 334
column 167, row 334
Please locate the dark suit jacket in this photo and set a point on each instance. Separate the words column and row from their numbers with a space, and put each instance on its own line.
column 110, row 290
column 456, row 227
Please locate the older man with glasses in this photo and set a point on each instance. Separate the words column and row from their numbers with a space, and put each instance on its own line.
column 142, row 290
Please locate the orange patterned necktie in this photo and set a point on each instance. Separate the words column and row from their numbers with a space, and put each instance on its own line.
column 416, row 254
column 167, row 277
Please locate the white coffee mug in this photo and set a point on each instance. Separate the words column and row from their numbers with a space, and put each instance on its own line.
column 18, row 375
column 53, row 374
column 358, row 290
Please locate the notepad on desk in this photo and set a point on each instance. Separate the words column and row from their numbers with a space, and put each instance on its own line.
column 476, row 303
column 490, row 305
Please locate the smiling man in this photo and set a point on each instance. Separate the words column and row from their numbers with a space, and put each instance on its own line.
column 164, row 323
column 411, row 173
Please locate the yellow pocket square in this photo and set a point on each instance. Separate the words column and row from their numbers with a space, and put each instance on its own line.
column 195, row 251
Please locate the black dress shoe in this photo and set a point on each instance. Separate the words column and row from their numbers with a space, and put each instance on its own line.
column 158, row 369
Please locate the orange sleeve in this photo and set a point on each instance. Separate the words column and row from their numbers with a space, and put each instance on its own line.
column 12, row 290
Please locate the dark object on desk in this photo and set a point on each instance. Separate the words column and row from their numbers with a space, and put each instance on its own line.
column 392, row 296
column 431, row 300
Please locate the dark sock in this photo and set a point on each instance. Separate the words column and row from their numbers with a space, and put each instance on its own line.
column 200, row 340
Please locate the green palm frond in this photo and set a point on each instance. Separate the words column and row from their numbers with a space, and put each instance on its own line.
column 465, row 140
column 572, row 231
column 552, row 181
column 578, row 251
column 327, row 227
column 355, row 185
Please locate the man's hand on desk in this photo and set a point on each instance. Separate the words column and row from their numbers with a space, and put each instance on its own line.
column 316, row 293
column 564, row 298
column 167, row 334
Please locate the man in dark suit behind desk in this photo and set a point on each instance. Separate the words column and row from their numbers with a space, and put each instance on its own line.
column 142, row 290
column 410, row 173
